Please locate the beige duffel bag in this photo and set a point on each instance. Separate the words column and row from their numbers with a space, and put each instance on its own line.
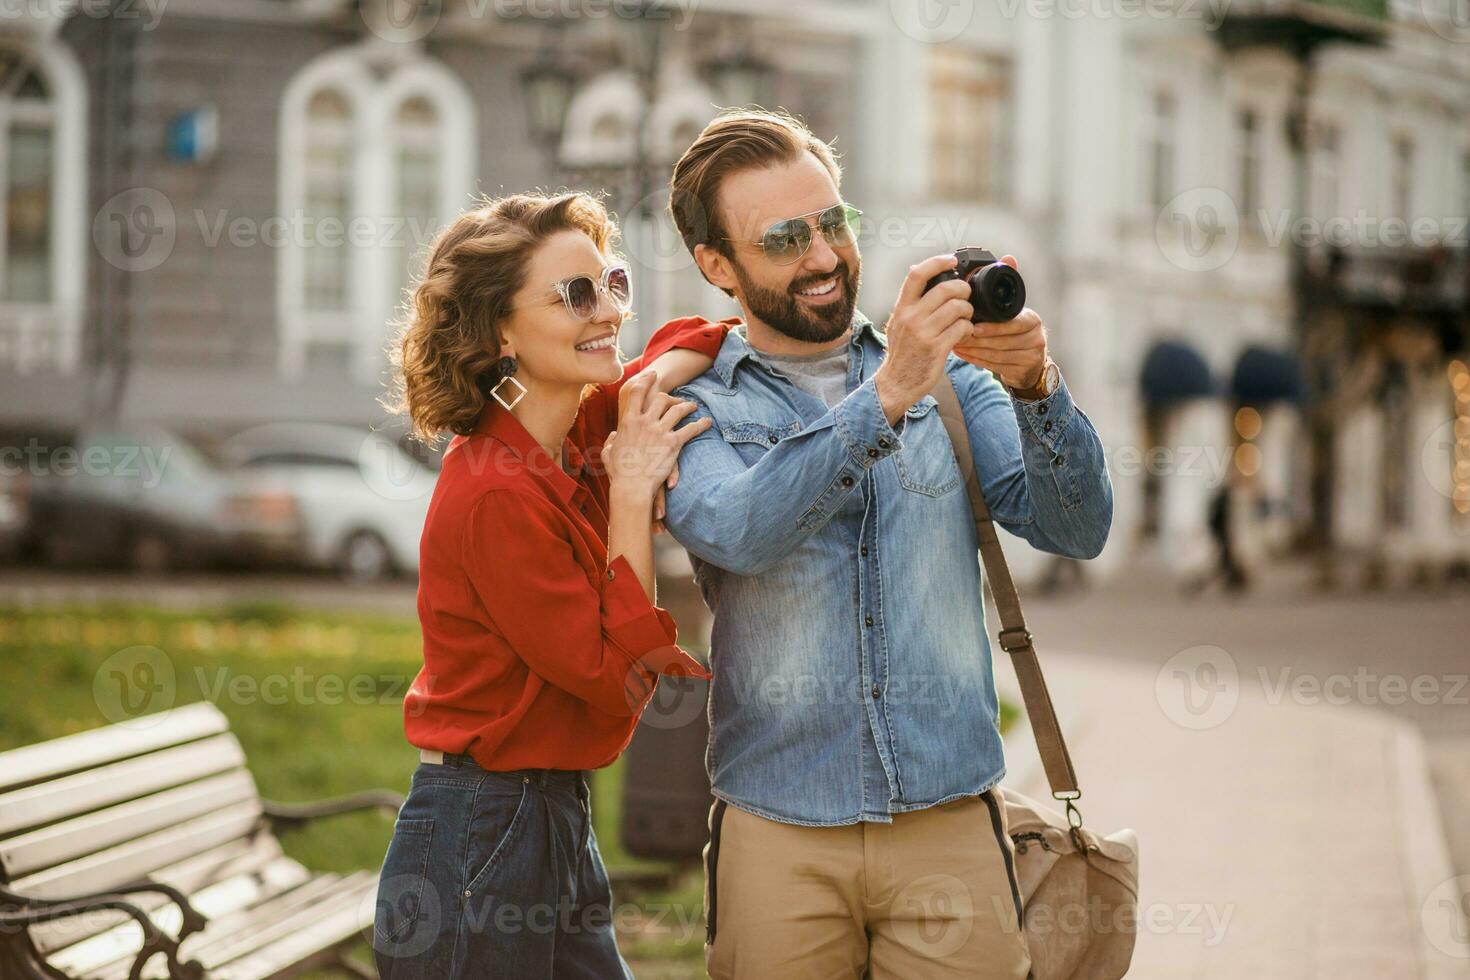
column 1079, row 890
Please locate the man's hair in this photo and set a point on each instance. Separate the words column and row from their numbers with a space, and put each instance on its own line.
column 736, row 140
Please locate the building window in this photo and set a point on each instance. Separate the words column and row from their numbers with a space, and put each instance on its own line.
column 418, row 183
column 1403, row 178
column 377, row 154
column 1327, row 171
column 1248, row 165
column 331, row 154
column 1465, row 183
column 1160, row 142
column 971, row 105
column 43, row 230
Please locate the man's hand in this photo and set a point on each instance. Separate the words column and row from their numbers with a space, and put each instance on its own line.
column 922, row 329
column 1014, row 351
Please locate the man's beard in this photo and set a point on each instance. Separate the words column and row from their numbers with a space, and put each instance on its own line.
column 784, row 313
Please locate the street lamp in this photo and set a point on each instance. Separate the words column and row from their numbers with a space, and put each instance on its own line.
column 548, row 88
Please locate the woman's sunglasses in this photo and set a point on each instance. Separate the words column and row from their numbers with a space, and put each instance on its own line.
column 786, row 241
column 579, row 293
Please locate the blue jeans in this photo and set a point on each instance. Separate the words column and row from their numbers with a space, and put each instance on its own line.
column 495, row 874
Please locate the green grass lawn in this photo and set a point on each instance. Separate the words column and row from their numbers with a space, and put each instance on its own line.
column 316, row 700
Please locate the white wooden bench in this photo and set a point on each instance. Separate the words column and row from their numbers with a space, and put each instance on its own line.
column 144, row 850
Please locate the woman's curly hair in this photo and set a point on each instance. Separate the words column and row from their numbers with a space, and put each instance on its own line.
column 447, row 351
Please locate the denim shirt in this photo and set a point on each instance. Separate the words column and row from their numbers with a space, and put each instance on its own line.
column 851, row 661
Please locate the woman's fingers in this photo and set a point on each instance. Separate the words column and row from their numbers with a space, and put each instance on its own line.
column 659, row 508
column 673, row 479
column 633, row 396
column 693, row 429
column 674, row 414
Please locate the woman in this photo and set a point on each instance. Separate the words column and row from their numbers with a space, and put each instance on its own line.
column 542, row 643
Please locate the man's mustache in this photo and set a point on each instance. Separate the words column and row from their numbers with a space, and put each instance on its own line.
column 805, row 281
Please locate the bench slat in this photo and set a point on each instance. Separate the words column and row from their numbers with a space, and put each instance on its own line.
column 346, row 917
column 57, row 799
column 73, row 753
column 238, row 857
column 243, row 934
column 121, row 944
column 87, row 834
column 135, row 859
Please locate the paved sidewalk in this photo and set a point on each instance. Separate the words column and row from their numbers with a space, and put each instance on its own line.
column 1279, row 840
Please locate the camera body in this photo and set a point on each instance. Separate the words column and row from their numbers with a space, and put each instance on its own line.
column 997, row 292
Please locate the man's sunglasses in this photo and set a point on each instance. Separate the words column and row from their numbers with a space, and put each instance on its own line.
column 787, row 241
column 579, row 293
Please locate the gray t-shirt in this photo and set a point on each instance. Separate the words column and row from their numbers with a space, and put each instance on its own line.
column 823, row 374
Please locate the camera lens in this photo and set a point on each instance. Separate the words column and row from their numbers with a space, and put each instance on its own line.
column 997, row 292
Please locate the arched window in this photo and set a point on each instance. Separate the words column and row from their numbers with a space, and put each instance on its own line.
column 331, row 153
column 602, row 121
column 42, row 160
column 376, row 157
column 419, row 139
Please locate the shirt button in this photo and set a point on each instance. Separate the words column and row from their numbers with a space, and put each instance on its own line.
column 863, row 551
column 883, row 442
column 1061, row 460
column 876, row 691
column 775, row 438
column 1046, row 427
column 867, row 620
column 610, row 574
column 1040, row 409
column 846, row 480
column 872, row 453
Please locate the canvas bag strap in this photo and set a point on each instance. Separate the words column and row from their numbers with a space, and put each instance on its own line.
column 1014, row 637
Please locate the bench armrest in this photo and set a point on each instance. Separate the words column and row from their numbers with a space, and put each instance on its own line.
column 21, row 911
column 288, row 816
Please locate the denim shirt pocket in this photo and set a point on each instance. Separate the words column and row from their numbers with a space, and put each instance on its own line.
column 752, row 439
column 926, row 463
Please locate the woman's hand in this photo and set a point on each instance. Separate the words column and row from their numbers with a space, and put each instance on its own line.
column 642, row 453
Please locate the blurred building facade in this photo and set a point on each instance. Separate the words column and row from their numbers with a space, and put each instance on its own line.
column 214, row 207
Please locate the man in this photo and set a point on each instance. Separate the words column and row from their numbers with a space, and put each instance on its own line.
column 855, row 748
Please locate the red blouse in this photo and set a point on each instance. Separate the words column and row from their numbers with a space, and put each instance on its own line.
column 538, row 653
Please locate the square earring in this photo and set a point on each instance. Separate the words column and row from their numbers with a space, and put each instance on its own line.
column 495, row 392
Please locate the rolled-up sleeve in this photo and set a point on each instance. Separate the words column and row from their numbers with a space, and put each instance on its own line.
column 593, row 634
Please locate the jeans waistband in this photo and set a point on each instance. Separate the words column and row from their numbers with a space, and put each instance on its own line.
column 572, row 779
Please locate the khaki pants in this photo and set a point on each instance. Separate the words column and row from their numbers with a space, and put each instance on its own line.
column 932, row 894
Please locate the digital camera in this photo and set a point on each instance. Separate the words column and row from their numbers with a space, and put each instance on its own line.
column 997, row 291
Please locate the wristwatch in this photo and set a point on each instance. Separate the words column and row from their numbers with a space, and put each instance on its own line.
column 1050, row 376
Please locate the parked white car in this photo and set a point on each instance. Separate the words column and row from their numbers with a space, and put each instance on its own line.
column 361, row 498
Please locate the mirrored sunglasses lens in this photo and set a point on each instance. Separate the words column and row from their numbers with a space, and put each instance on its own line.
column 787, row 241
column 620, row 286
column 839, row 224
column 582, row 296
